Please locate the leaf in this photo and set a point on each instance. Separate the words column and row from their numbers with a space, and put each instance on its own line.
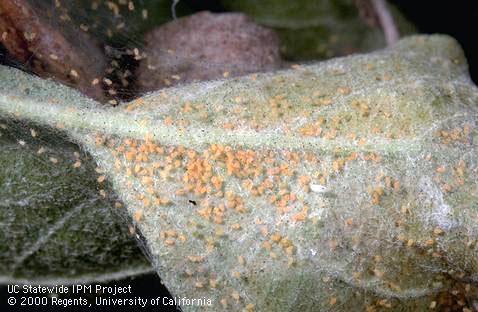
column 56, row 227
column 345, row 184
column 109, row 22
column 312, row 30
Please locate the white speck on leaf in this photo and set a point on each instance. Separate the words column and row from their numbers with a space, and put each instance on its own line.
column 317, row 188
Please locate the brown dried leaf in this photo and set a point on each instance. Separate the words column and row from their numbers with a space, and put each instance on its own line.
column 207, row 46
column 64, row 53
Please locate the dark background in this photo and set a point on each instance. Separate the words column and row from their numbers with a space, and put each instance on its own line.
column 456, row 18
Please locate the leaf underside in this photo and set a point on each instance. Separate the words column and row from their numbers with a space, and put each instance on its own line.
column 330, row 186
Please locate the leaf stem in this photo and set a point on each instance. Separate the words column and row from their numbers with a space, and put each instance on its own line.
column 386, row 21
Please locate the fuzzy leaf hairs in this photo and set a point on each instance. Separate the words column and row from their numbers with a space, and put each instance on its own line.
column 57, row 212
column 347, row 184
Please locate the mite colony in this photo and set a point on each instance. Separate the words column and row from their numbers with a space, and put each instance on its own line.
column 267, row 210
column 150, row 167
column 275, row 177
column 119, row 87
column 115, row 83
column 228, row 183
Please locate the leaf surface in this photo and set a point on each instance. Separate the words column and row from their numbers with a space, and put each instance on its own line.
column 56, row 225
column 334, row 185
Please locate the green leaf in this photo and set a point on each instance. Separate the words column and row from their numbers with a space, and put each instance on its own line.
column 56, row 227
column 330, row 186
column 313, row 30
